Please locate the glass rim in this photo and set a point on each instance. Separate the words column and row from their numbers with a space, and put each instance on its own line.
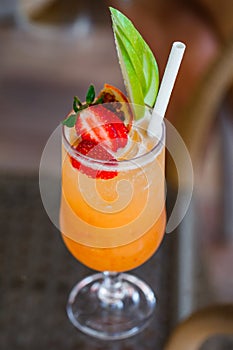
column 77, row 155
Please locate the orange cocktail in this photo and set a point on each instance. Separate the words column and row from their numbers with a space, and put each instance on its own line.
column 115, row 224
column 112, row 215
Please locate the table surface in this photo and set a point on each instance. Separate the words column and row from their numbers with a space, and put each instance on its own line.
column 37, row 273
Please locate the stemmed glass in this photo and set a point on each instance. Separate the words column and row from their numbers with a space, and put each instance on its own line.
column 113, row 225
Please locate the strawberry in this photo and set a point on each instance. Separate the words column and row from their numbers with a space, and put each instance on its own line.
column 100, row 125
column 97, row 152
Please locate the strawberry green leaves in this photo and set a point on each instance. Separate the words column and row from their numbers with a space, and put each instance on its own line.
column 78, row 106
column 70, row 120
column 137, row 62
column 90, row 95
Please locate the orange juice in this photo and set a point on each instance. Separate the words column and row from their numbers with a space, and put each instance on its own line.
column 115, row 224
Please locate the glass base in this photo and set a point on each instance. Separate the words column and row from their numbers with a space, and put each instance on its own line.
column 111, row 306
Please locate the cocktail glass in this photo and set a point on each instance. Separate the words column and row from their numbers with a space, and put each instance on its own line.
column 112, row 226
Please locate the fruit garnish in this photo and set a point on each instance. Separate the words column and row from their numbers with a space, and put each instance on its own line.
column 97, row 152
column 106, row 119
column 138, row 65
column 102, row 126
column 78, row 106
column 118, row 103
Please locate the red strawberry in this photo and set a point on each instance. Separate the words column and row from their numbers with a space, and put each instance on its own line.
column 99, row 124
column 97, row 152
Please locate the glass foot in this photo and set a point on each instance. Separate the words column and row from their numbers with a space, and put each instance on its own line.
column 111, row 306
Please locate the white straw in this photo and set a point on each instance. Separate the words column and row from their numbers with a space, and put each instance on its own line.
column 168, row 81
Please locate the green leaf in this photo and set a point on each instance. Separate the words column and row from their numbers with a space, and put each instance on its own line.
column 138, row 65
column 70, row 121
column 90, row 94
column 75, row 103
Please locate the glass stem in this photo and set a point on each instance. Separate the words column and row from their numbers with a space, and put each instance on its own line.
column 111, row 291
